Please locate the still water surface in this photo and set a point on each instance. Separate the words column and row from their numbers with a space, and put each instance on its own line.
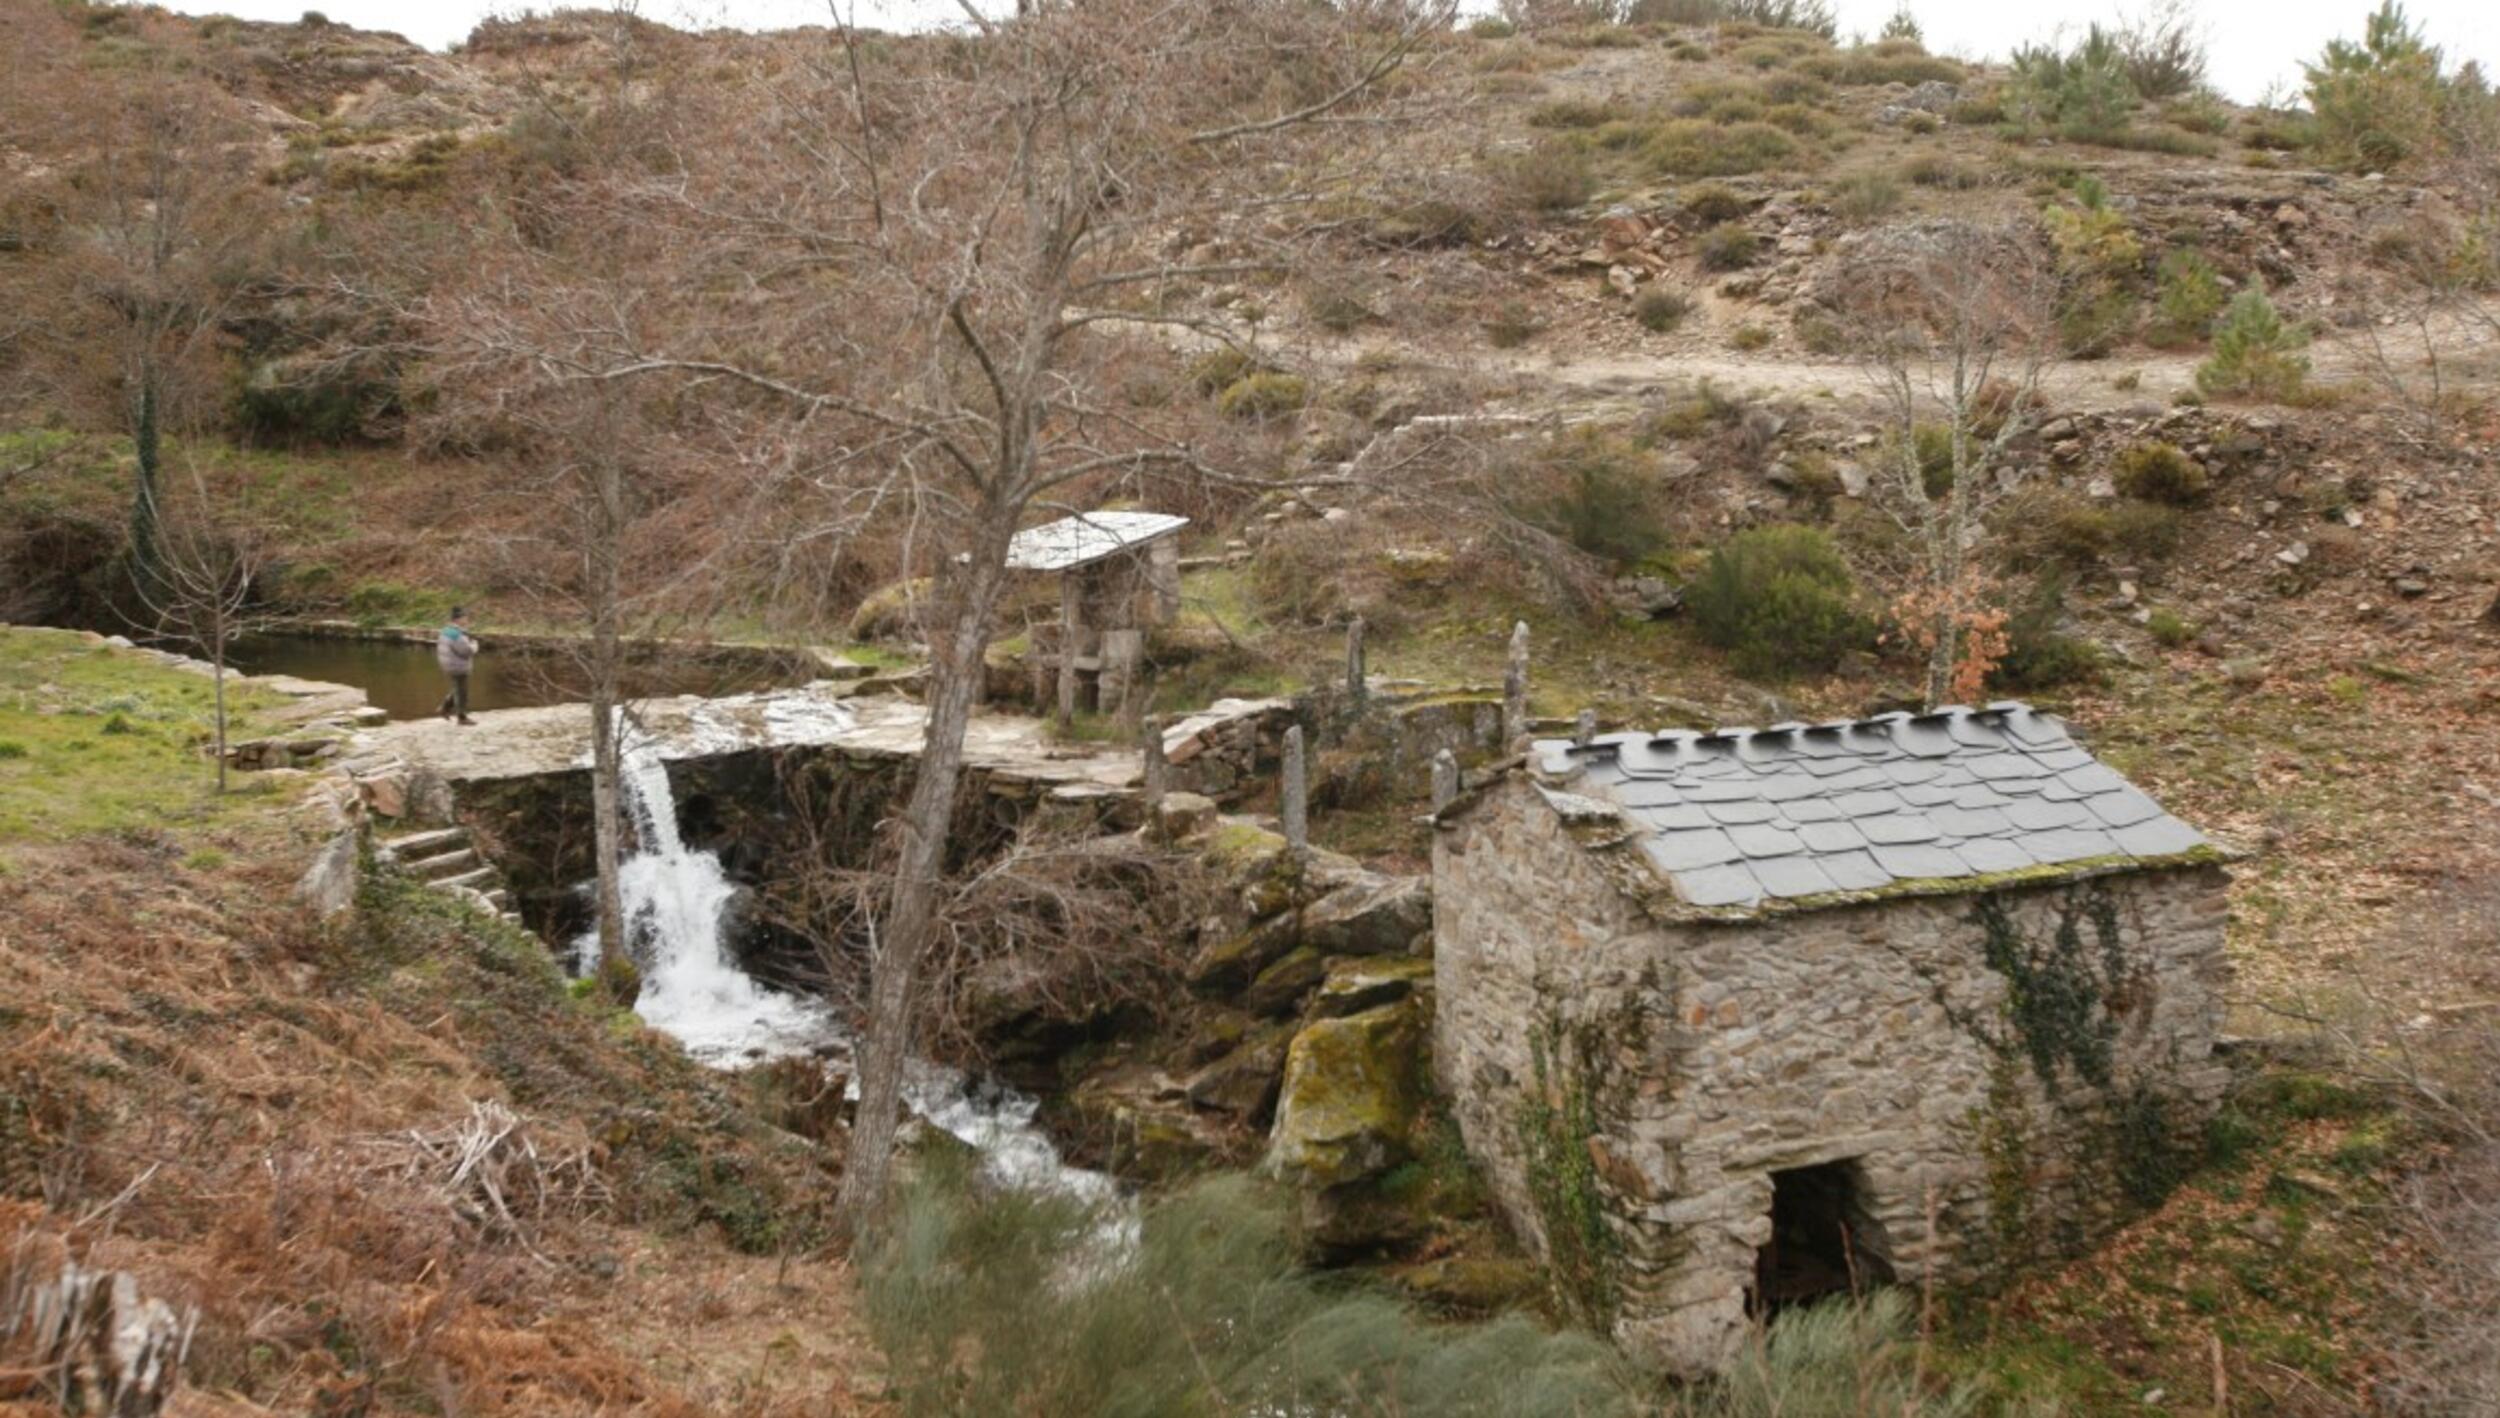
column 401, row 678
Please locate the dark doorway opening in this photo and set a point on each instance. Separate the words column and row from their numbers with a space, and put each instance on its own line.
column 1823, row 1241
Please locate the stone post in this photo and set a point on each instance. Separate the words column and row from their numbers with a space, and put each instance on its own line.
column 1357, row 676
column 1444, row 779
column 1515, row 688
column 1295, row 806
column 1071, row 614
column 1156, row 778
column 1584, row 728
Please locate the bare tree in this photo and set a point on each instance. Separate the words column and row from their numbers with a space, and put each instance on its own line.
column 209, row 559
column 160, row 242
column 961, row 252
column 1952, row 323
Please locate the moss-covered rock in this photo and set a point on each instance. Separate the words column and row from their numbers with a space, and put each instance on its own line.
column 1357, row 984
column 1280, row 987
column 1243, row 1081
column 1352, row 1091
column 1471, row 1287
column 1372, row 915
column 1226, row 967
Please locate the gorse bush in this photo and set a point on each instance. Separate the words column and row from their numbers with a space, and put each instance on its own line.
column 1006, row 1302
column 1779, row 599
column 2255, row 353
column 1691, row 147
column 1600, row 494
column 1551, row 177
column 2154, row 471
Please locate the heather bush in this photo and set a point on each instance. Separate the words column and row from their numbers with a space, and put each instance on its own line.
column 2154, row 471
column 1729, row 246
column 1690, row 147
column 1551, row 177
column 1780, row 600
column 1660, row 310
column 1264, row 395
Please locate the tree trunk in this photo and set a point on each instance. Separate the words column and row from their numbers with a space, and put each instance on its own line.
column 146, row 554
column 217, row 676
column 910, row 921
column 616, row 970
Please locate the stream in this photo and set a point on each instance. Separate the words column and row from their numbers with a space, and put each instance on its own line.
column 400, row 677
column 674, row 899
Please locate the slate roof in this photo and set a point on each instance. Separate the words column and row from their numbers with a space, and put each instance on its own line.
column 1088, row 537
column 1746, row 818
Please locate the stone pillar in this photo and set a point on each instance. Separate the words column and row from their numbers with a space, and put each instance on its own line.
column 1157, row 777
column 1071, row 616
column 1295, row 799
column 1444, row 779
column 1515, row 688
column 1584, row 728
column 1357, row 675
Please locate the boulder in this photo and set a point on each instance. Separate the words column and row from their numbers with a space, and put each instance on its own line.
column 1472, row 1287
column 1359, row 983
column 1244, row 1081
column 1280, row 987
column 1136, row 1124
column 328, row 886
column 1352, row 1089
column 1184, row 817
column 1377, row 915
column 1227, row 966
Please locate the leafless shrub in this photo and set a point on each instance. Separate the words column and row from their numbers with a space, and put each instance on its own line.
column 488, row 1171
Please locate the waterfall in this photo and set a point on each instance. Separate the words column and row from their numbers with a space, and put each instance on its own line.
column 674, row 900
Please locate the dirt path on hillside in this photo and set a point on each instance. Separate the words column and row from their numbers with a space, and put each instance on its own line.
column 2464, row 345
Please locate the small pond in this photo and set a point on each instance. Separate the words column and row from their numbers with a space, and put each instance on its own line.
column 401, row 678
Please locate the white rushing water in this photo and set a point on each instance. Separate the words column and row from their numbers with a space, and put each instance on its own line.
column 674, row 902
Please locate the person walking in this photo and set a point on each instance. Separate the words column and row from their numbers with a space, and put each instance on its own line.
column 456, row 650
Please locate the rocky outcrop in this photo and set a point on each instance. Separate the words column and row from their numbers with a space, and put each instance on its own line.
column 1353, row 1088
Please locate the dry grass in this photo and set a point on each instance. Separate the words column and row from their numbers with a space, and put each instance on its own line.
column 394, row 1168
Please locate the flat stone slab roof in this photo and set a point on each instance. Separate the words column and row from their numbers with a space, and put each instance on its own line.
column 1086, row 538
column 1743, row 818
column 523, row 743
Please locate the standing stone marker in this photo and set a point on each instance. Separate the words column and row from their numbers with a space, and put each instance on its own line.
column 1296, row 805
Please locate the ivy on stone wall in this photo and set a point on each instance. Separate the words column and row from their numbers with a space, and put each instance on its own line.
column 2063, row 997
column 1556, row 1121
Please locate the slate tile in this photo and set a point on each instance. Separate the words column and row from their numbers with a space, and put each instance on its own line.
column 1927, row 795
column 1867, row 804
column 2057, row 790
column 1763, row 839
column 1749, row 810
column 2018, row 787
column 1650, row 758
column 1868, row 741
column 1926, row 737
column 1905, row 771
column 1819, row 741
column 1860, row 778
column 1719, row 790
column 2070, row 844
column 1832, row 836
column 1919, row 860
column 1995, row 767
column 1828, row 768
column 1986, row 795
column 1793, row 876
column 1649, row 792
column 1691, row 850
column 2122, row 809
column 1971, row 731
column 1554, row 756
column 1896, row 828
column 1988, row 855
column 1719, row 886
column 1788, row 787
column 2159, row 837
column 2058, row 760
column 1670, row 817
column 1854, row 871
column 2093, row 778
column 1970, row 822
column 2034, row 815
column 1809, row 810
column 2035, row 729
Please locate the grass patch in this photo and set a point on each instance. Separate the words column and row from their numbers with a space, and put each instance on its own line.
column 104, row 741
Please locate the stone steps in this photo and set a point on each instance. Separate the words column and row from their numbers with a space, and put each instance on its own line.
column 446, row 859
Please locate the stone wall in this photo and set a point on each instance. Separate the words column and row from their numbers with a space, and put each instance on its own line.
column 1686, row 1063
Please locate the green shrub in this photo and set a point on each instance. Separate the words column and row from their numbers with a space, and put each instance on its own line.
column 2144, row 533
column 2255, row 353
column 1265, row 395
column 1661, row 310
column 2387, row 97
column 1902, row 25
column 1513, row 325
column 2161, row 55
column 1573, row 113
column 1220, row 369
column 2169, row 629
column 1714, row 202
column 1892, row 62
column 2154, row 471
column 1600, row 493
column 2082, row 93
column 1865, row 196
column 2039, row 654
column 1729, row 246
column 1779, row 599
column 1492, row 27
column 1937, row 170
column 2187, row 295
column 1750, row 338
column 1688, row 147
column 1001, row 1301
column 2097, row 261
column 1551, row 177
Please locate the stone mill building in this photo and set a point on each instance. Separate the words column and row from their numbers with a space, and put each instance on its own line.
column 1738, row 1019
